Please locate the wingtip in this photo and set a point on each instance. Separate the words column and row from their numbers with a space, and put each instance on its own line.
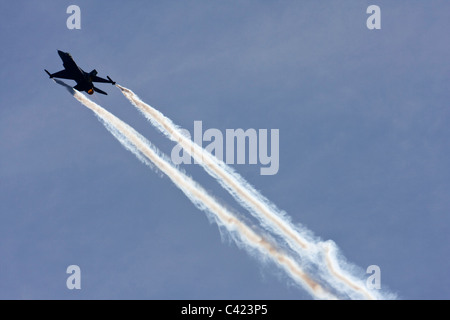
column 112, row 82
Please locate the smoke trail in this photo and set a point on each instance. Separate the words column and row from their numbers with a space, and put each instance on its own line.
column 263, row 210
column 243, row 234
column 270, row 217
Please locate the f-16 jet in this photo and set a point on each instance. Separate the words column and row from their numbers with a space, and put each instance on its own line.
column 73, row 72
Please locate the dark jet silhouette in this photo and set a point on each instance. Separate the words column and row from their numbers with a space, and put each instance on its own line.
column 73, row 72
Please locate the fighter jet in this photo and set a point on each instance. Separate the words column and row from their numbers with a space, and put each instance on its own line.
column 73, row 72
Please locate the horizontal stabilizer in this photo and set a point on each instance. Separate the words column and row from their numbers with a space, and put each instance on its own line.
column 99, row 91
column 79, row 87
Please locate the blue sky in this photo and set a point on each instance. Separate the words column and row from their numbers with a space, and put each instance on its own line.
column 364, row 152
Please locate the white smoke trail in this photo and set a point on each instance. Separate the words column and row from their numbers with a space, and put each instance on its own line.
column 240, row 232
column 263, row 210
column 298, row 239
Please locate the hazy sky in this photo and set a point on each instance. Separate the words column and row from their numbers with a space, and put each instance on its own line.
column 364, row 149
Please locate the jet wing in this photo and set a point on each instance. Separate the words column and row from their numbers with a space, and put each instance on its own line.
column 63, row 74
column 99, row 79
